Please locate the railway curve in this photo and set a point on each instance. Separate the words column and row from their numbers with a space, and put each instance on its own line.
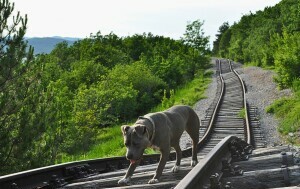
column 227, row 136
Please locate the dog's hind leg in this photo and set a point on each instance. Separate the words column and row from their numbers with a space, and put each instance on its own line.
column 195, row 138
column 176, row 167
column 194, row 153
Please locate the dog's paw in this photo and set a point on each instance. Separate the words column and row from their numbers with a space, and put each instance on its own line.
column 194, row 163
column 175, row 169
column 124, row 181
column 153, row 181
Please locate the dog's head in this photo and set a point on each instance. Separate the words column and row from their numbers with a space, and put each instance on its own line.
column 136, row 141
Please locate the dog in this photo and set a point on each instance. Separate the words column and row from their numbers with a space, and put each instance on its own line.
column 160, row 130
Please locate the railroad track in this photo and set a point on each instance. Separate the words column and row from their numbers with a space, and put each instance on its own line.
column 228, row 114
column 226, row 136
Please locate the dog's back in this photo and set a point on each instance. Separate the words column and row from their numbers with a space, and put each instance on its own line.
column 184, row 114
column 172, row 122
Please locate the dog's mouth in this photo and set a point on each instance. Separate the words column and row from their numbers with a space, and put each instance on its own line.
column 133, row 161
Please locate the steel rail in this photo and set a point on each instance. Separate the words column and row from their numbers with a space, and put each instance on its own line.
column 249, row 138
column 42, row 177
column 200, row 175
column 206, row 136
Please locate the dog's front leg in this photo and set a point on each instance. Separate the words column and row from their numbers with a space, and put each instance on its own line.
column 126, row 179
column 161, row 165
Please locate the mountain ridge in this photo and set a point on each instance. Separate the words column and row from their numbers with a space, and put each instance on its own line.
column 44, row 45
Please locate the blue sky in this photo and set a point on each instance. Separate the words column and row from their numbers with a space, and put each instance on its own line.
column 74, row 18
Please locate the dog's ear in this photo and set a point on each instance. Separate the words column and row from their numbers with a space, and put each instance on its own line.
column 125, row 129
column 140, row 130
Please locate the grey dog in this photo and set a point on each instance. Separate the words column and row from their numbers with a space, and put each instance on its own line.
column 160, row 130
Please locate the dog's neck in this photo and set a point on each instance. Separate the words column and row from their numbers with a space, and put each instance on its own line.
column 150, row 127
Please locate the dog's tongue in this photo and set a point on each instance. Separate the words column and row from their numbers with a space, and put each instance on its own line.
column 132, row 161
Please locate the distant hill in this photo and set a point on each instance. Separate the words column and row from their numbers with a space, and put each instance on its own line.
column 47, row 44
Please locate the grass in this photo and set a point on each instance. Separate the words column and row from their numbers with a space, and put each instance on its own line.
column 265, row 67
column 193, row 91
column 111, row 141
column 287, row 110
column 188, row 94
column 110, row 144
column 242, row 113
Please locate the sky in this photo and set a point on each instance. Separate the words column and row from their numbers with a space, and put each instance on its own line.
column 74, row 18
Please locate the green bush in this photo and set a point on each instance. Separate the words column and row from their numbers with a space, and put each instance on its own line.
column 291, row 121
column 296, row 85
column 287, row 109
column 287, row 59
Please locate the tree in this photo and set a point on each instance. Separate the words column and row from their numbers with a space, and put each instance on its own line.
column 15, row 82
column 149, row 87
column 194, row 37
column 224, row 43
column 216, row 45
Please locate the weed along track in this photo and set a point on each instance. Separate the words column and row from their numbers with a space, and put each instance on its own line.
column 230, row 153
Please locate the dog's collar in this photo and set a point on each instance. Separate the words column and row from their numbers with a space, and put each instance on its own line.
column 153, row 126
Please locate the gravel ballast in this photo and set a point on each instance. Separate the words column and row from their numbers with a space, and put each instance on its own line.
column 261, row 92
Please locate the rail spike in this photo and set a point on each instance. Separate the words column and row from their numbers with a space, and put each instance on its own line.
column 14, row 186
column 215, row 181
column 55, row 182
column 79, row 171
column 240, row 149
column 229, row 170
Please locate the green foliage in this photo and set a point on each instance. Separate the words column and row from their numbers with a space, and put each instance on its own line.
column 287, row 109
column 84, row 72
column 296, row 85
column 256, row 37
column 287, row 58
column 109, row 143
column 187, row 94
column 291, row 122
column 148, row 86
column 216, row 45
column 281, row 107
column 224, row 43
column 168, row 102
column 17, row 84
column 194, row 36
